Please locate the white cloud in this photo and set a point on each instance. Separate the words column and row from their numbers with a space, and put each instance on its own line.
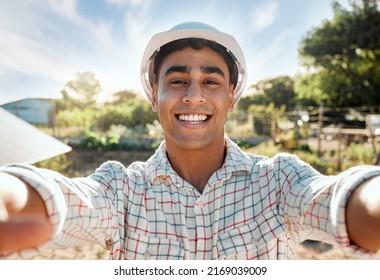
column 276, row 46
column 136, row 20
column 31, row 57
column 119, row 3
column 98, row 31
column 65, row 9
column 35, row 45
column 264, row 16
column 24, row 56
column 265, row 62
column 123, row 3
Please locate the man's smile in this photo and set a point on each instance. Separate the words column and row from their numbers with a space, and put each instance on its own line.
column 193, row 118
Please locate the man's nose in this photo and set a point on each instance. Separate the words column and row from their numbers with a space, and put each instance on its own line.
column 194, row 94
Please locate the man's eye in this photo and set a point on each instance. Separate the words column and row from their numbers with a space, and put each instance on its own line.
column 178, row 82
column 211, row 82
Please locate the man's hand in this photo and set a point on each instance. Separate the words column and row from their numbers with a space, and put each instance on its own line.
column 363, row 215
column 23, row 218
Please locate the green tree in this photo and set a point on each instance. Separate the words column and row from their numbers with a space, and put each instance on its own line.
column 80, row 92
column 83, row 119
column 124, row 96
column 342, row 57
column 277, row 91
column 133, row 113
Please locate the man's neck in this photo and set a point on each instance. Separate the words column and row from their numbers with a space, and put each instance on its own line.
column 196, row 166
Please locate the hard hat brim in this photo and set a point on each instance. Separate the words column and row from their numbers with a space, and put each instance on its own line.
column 163, row 38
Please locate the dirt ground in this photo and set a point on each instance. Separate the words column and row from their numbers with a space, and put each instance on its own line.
column 306, row 251
column 86, row 162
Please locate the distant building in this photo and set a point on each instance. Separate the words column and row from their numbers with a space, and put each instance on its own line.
column 36, row 111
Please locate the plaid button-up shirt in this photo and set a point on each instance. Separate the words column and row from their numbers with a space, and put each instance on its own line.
column 252, row 208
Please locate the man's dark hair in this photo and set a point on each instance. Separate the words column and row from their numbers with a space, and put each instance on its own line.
column 196, row 44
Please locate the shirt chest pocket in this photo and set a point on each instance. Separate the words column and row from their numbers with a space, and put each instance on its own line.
column 142, row 247
column 256, row 240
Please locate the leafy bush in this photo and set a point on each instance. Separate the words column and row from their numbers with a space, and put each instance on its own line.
column 75, row 117
column 97, row 142
column 327, row 163
column 134, row 113
column 93, row 141
column 269, row 149
column 357, row 154
column 59, row 163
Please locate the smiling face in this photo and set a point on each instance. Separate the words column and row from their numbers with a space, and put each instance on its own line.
column 193, row 96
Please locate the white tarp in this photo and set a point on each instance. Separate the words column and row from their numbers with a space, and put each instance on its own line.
column 21, row 142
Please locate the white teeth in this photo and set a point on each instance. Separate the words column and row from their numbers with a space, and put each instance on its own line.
column 192, row 118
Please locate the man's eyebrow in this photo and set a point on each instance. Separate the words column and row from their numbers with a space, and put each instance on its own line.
column 211, row 70
column 177, row 68
column 186, row 69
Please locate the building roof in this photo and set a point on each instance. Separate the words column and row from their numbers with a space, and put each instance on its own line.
column 26, row 99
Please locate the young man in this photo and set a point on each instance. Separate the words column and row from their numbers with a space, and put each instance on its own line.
column 199, row 196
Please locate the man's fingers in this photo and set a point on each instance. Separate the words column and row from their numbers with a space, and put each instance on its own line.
column 23, row 232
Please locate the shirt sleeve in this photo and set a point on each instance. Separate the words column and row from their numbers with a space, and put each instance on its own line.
column 81, row 210
column 347, row 182
column 314, row 205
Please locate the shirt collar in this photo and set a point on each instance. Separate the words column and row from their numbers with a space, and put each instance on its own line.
column 159, row 168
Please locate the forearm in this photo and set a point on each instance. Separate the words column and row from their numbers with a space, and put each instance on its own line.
column 363, row 215
column 80, row 211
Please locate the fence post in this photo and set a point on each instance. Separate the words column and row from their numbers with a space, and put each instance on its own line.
column 340, row 137
column 320, row 127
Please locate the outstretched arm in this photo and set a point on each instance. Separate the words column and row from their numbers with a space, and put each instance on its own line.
column 363, row 215
column 23, row 218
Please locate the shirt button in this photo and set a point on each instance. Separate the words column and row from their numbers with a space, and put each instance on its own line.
column 147, row 255
column 200, row 203
column 253, row 241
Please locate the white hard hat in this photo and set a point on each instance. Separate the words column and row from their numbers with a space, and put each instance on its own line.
column 192, row 30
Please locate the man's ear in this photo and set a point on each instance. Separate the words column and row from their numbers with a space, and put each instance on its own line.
column 231, row 99
column 154, row 97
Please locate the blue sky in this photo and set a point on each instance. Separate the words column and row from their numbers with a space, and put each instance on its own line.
column 43, row 43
